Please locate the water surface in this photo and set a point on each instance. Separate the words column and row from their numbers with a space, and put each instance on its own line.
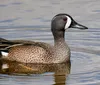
column 30, row 20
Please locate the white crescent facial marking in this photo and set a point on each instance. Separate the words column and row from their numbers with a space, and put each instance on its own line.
column 68, row 22
column 4, row 53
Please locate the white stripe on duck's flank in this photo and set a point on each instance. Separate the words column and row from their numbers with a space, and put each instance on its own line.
column 5, row 66
column 4, row 53
column 68, row 23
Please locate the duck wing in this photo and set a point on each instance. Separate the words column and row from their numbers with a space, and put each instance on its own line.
column 37, row 52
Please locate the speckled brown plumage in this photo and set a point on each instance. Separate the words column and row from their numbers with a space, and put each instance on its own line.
column 34, row 53
column 38, row 52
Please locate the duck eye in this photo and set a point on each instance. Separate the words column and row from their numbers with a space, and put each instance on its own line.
column 65, row 19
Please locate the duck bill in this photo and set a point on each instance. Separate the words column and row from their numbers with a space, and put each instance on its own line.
column 79, row 26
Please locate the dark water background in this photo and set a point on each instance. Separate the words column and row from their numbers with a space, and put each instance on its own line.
column 30, row 20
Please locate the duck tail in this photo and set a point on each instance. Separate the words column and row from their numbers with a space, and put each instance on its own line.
column 3, row 40
column 5, row 43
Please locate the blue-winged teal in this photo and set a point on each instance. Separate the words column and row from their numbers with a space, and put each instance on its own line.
column 39, row 52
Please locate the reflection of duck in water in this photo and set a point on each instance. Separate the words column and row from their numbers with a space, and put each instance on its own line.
column 59, row 71
column 11, row 67
column 39, row 52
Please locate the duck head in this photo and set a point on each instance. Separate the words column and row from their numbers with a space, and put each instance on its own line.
column 61, row 22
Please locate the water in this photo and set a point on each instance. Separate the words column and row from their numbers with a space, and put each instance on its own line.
column 30, row 20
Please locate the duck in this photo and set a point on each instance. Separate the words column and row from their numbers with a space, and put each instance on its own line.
column 41, row 52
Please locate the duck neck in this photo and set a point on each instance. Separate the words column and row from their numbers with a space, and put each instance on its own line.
column 62, row 51
column 59, row 38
